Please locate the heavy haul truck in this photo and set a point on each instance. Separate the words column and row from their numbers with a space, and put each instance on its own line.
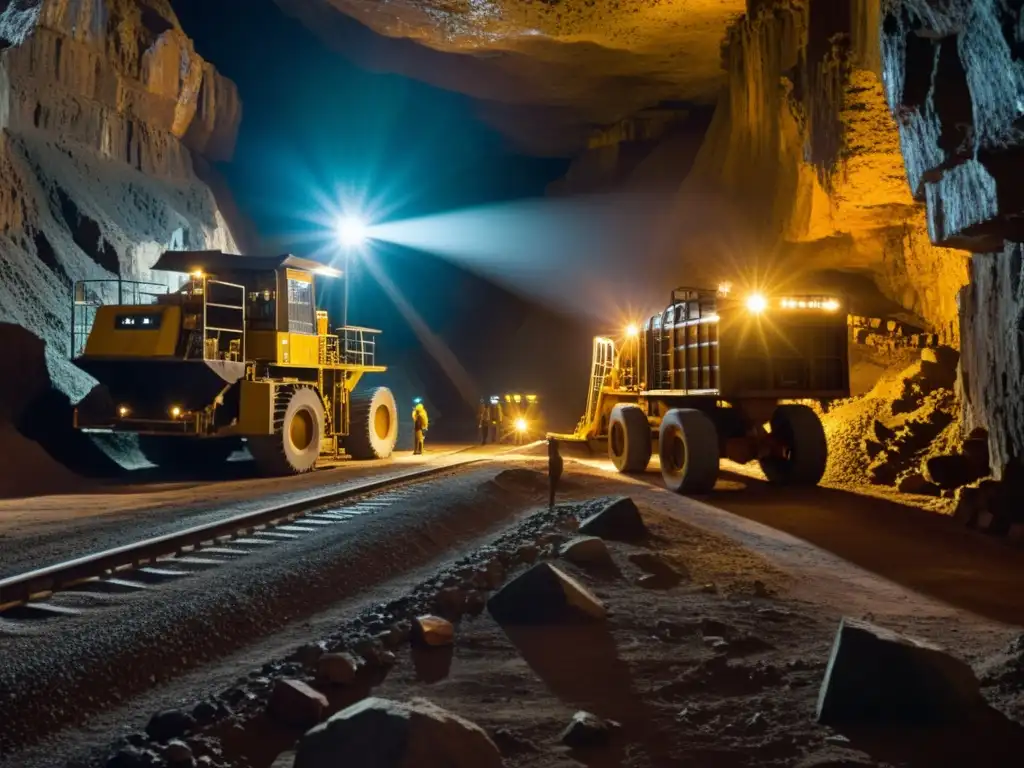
column 718, row 376
column 238, row 352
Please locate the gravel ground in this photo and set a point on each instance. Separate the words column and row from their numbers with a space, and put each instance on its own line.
column 722, row 669
column 55, row 672
column 41, row 531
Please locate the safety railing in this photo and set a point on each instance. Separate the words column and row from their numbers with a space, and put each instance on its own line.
column 601, row 368
column 87, row 296
column 223, row 321
column 357, row 346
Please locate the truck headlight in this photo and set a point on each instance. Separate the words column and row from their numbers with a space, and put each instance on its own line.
column 756, row 303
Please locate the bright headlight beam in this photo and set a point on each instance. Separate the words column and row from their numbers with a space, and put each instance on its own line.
column 756, row 303
column 353, row 231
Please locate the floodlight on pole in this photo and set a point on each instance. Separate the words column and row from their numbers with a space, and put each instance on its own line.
column 352, row 231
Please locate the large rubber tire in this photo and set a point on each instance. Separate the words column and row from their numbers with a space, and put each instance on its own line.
column 629, row 438
column 688, row 449
column 372, row 424
column 799, row 429
column 187, row 454
column 298, row 431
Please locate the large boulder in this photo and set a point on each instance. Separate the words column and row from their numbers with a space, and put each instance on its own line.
column 619, row 521
column 877, row 676
column 544, row 595
column 381, row 733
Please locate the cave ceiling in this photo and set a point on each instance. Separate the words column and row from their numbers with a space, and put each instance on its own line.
column 544, row 73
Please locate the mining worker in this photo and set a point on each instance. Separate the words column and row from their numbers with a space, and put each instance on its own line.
column 483, row 420
column 420, row 424
column 555, row 467
column 494, row 419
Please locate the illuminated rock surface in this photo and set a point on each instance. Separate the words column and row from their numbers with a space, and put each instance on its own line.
column 107, row 116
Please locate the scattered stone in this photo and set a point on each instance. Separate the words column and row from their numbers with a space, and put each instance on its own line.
column 389, row 734
column 915, row 483
column 716, row 643
column 527, row 554
column 709, row 589
column 169, row 724
column 205, row 712
column 570, row 524
column 619, row 521
column 133, row 757
column 872, row 448
column 476, row 601
column 308, row 654
column 661, row 575
column 587, row 730
column 877, row 676
column 670, row 630
column 761, row 589
column 284, row 760
column 338, row 668
column 952, row 470
column 494, row 573
column 510, row 743
column 756, row 723
column 432, row 631
column 586, row 550
column 295, row 703
column 544, row 595
column 451, row 602
column 882, row 433
column 179, row 753
column 944, row 357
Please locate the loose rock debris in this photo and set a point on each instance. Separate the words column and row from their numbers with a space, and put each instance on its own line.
column 380, row 733
column 726, row 677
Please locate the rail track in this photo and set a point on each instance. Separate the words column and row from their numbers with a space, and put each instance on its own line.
column 139, row 565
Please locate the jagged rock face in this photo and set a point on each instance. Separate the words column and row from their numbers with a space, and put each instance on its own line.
column 106, row 114
column 954, row 77
column 804, row 145
column 561, row 65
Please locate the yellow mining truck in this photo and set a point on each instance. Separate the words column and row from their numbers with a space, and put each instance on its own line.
column 719, row 376
column 238, row 352
column 522, row 419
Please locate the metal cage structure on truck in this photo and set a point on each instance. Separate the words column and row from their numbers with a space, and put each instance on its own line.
column 238, row 351
column 717, row 376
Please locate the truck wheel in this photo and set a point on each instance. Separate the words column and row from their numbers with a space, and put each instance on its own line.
column 798, row 429
column 187, row 453
column 688, row 449
column 629, row 438
column 294, row 446
column 373, row 424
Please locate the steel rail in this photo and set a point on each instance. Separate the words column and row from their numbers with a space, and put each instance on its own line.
column 42, row 582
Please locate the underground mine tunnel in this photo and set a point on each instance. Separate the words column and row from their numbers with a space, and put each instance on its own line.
column 351, row 349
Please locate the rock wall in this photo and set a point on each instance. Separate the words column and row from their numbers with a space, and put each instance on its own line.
column 954, row 76
column 105, row 108
column 804, row 145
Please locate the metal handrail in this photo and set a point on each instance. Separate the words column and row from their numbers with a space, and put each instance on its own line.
column 240, row 307
column 84, row 306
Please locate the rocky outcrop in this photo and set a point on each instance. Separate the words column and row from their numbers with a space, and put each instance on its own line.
column 544, row 73
column 105, row 112
column 954, row 77
column 804, row 146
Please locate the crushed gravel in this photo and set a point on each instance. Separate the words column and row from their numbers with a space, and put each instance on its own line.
column 31, row 537
column 55, row 673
